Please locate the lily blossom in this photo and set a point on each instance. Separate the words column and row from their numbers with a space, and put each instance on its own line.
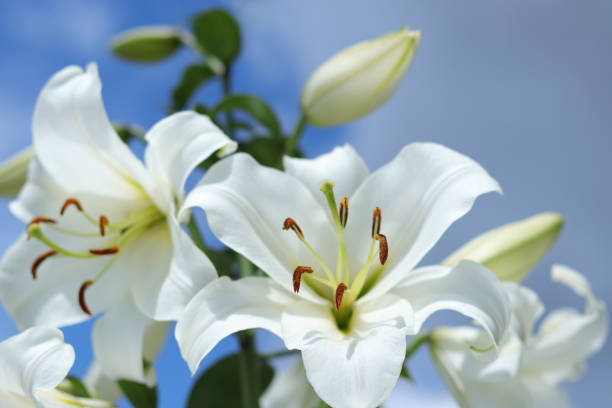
column 349, row 323
column 33, row 363
column 531, row 365
column 102, row 233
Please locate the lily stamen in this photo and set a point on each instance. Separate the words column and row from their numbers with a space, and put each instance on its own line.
column 82, row 303
column 104, row 251
column 343, row 212
column 383, row 248
column 297, row 276
column 290, row 223
column 38, row 220
column 68, row 203
column 103, row 222
column 39, row 260
column 339, row 294
column 376, row 221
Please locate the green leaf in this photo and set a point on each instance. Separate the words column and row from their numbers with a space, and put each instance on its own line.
column 127, row 132
column 218, row 34
column 512, row 250
column 253, row 106
column 140, row 395
column 74, row 386
column 147, row 44
column 266, row 151
column 193, row 77
column 218, row 387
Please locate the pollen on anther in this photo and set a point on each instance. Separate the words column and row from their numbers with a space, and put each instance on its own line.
column 103, row 223
column 82, row 289
column 40, row 260
column 383, row 252
column 376, row 220
column 339, row 293
column 290, row 223
column 104, row 251
column 68, row 203
column 297, row 276
column 343, row 211
column 38, row 220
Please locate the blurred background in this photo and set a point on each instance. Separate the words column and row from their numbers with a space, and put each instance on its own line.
column 523, row 87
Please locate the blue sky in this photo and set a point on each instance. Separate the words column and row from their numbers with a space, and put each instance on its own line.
column 523, row 87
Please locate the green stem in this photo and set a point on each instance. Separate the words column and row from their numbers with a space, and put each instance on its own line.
column 416, row 343
column 247, row 370
column 226, row 92
column 291, row 147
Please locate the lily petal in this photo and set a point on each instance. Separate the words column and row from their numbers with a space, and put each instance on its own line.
column 246, row 205
column 290, row 389
column 100, row 384
column 421, row 193
column 469, row 288
column 176, row 145
column 358, row 369
column 343, row 166
column 526, row 309
column 118, row 341
column 168, row 271
column 566, row 337
column 70, row 121
column 34, row 360
column 224, row 307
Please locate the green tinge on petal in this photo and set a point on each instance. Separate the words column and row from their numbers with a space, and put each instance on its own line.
column 14, row 171
column 512, row 250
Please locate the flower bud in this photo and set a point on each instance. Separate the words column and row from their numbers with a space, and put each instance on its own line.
column 13, row 172
column 359, row 79
column 512, row 250
column 147, row 44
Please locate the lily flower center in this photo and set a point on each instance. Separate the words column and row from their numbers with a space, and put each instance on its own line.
column 345, row 288
column 118, row 235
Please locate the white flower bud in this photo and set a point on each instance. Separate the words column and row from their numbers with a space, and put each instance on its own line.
column 13, row 172
column 512, row 250
column 359, row 79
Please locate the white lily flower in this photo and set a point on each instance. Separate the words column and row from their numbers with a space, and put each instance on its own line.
column 350, row 324
column 290, row 389
column 118, row 246
column 32, row 364
column 530, row 366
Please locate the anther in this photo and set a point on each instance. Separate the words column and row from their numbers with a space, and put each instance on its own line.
column 383, row 252
column 297, row 276
column 343, row 211
column 291, row 224
column 339, row 293
column 105, row 251
column 103, row 223
column 39, row 260
column 376, row 220
column 82, row 303
column 38, row 220
column 68, row 203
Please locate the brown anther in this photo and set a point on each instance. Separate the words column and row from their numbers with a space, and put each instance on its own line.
column 383, row 252
column 291, row 224
column 105, row 251
column 39, row 260
column 339, row 293
column 82, row 303
column 376, row 220
column 103, row 223
column 297, row 276
column 38, row 220
column 68, row 203
column 343, row 211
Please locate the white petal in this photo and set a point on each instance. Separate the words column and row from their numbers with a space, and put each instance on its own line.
column 52, row 298
column 168, row 271
column 75, row 141
column 224, row 307
column 469, row 288
column 526, row 309
column 421, row 193
column 246, row 205
column 343, row 166
column 290, row 389
column 12, row 400
column 118, row 341
column 358, row 369
column 176, row 145
column 58, row 399
column 566, row 337
column 99, row 384
column 36, row 359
